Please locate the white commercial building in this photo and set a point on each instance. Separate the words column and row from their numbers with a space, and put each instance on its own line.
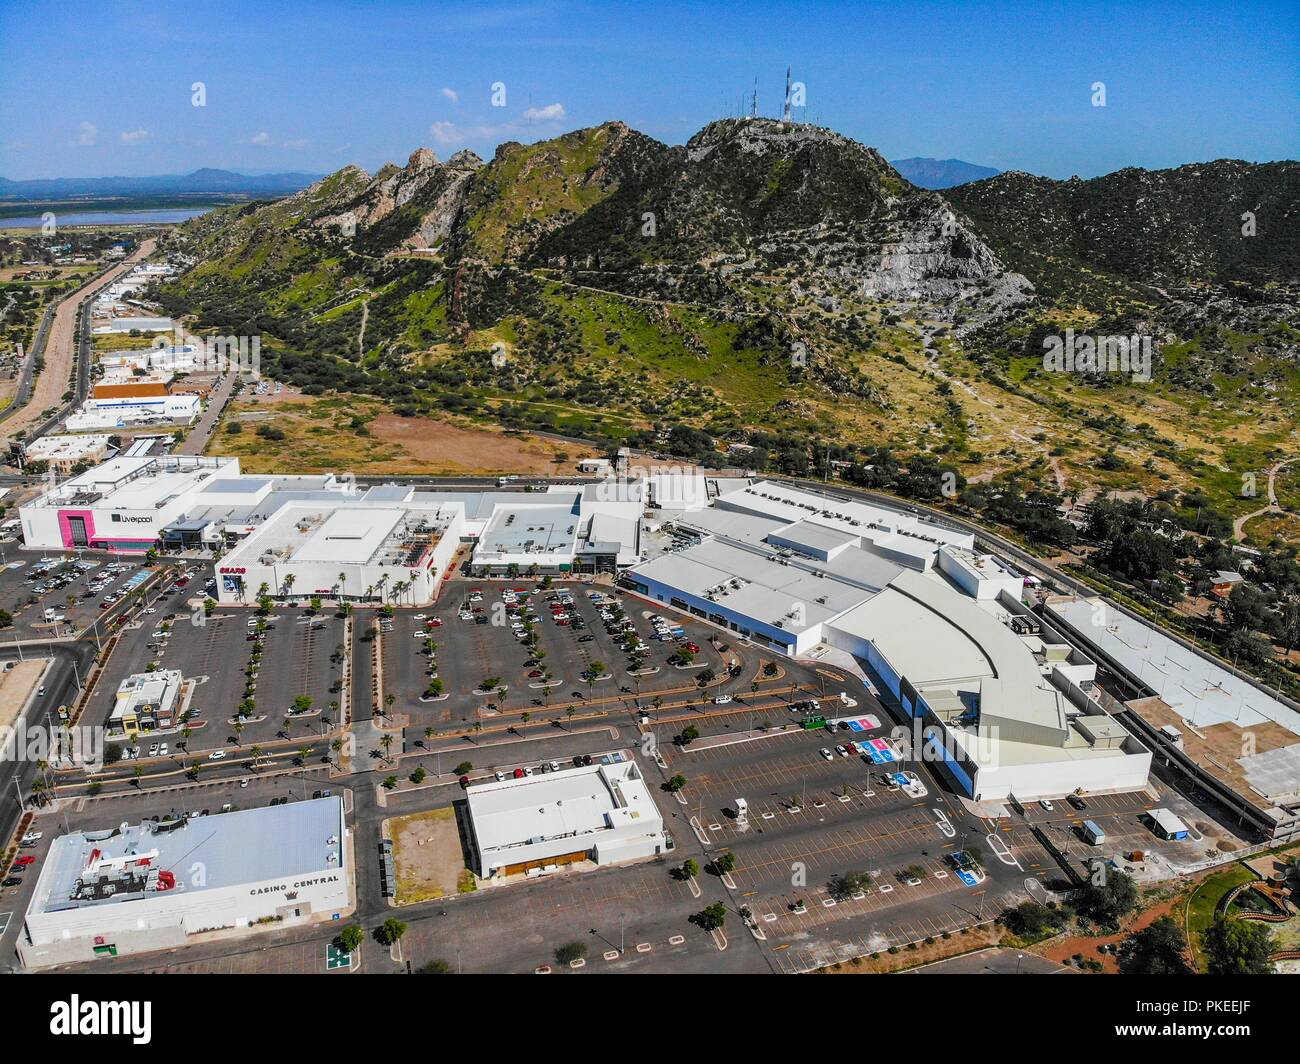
column 62, row 453
column 1005, row 712
column 603, row 813
column 121, row 505
column 145, row 702
column 360, row 550
column 149, row 886
column 127, row 325
column 125, row 412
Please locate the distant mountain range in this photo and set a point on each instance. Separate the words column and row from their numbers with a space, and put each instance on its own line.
column 941, row 173
column 206, row 181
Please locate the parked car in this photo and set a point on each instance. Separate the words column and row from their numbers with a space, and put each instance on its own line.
column 217, row 755
column 519, row 773
column 1046, row 804
column 1077, row 802
column 826, row 754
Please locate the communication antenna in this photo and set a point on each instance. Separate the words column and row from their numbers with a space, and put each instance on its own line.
column 785, row 111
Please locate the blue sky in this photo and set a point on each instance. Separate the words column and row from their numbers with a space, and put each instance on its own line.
column 105, row 89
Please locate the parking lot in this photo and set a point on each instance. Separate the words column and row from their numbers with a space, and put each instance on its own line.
column 811, row 819
column 480, row 630
column 50, row 597
column 298, row 659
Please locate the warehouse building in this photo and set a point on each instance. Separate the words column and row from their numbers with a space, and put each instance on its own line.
column 151, row 886
column 602, row 813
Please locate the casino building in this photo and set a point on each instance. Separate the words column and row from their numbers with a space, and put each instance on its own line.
column 149, row 886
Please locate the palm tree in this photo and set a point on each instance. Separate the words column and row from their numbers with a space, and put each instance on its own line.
column 304, row 752
column 343, row 585
column 569, row 711
column 429, row 733
column 386, row 741
column 477, row 726
column 256, row 752
column 286, row 585
column 337, row 747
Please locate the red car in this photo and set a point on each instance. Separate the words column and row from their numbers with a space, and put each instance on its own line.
column 693, row 648
column 563, row 624
column 519, row 773
column 464, row 781
column 535, row 673
column 25, row 860
column 434, row 623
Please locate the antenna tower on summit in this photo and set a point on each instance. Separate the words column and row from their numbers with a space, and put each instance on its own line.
column 785, row 111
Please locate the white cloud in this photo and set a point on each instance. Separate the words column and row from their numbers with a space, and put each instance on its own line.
column 134, row 136
column 452, row 95
column 263, row 138
column 445, row 133
column 87, row 133
column 296, row 145
column 552, row 112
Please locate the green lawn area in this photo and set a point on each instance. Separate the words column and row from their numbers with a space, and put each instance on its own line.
column 1205, row 900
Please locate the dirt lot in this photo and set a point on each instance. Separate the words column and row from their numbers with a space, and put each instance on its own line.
column 426, row 851
column 16, row 685
column 319, row 436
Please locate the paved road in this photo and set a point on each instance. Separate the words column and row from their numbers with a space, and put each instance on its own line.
column 60, row 348
column 207, row 424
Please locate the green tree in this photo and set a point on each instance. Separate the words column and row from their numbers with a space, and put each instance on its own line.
column 1108, row 898
column 1238, row 947
column 350, row 938
column 390, row 931
column 571, row 951
column 1158, row 949
column 712, row 918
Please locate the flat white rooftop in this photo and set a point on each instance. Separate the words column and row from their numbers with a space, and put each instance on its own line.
column 574, row 803
column 1200, row 691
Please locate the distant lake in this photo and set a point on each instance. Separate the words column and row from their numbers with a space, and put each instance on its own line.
column 64, row 219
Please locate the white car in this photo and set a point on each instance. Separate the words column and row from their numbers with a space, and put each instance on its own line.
column 150, row 610
column 153, row 749
column 420, row 635
column 217, row 755
column 827, row 754
column 162, row 750
column 419, row 616
column 1046, row 804
column 33, row 836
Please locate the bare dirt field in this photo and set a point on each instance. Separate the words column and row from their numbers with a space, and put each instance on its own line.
column 426, row 851
column 15, row 686
column 320, row 436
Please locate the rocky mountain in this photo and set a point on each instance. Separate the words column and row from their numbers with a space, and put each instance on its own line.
column 1205, row 243
column 940, row 173
column 780, row 281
